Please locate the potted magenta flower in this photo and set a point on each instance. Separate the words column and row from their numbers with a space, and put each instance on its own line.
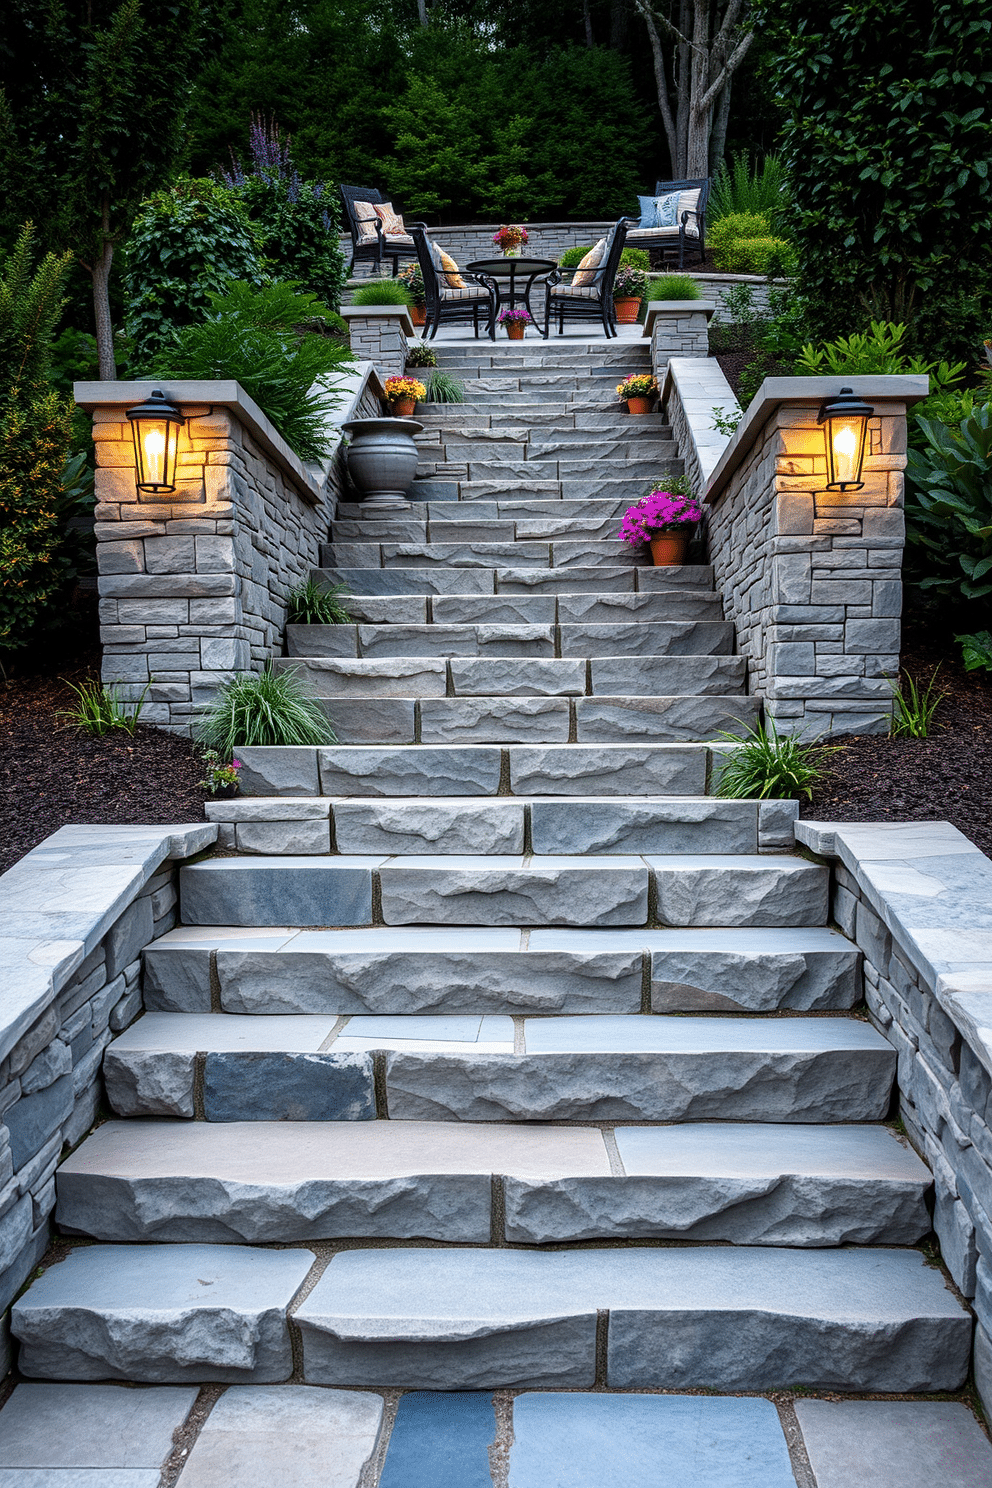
column 665, row 521
column 509, row 240
column 516, row 322
column 629, row 288
column 222, row 775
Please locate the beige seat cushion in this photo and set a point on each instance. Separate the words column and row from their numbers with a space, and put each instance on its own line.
column 392, row 222
column 575, row 291
column 468, row 292
column 398, row 240
column 367, row 218
column 592, row 260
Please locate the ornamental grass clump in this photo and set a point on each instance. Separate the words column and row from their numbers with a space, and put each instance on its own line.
column 99, row 709
column 767, row 764
column 443, row 388
column 658, row 512
column 311, row 603
column 674, row 287
column 384, row 292
column 268, row 708
column 914, row 707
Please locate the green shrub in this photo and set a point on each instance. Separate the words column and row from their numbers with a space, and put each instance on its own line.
column 976, row 651
column 772, row 256
column 186, row 244
column 36, row 423
column 421, row 355
column 252, row 337
column 736, row 225
column 443, row 388
column 312, row 603
column 949, row 509
column 635, row 258
column 745, row 188
column 382, row 292
column 673, row 287
column 98, row 709
column 572, row 257
column 268, row 708
column 766, row 763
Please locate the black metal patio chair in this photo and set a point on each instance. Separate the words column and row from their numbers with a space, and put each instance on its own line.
column 689, row 230
column 368, row 240
column 447, row 303
column 591, row 299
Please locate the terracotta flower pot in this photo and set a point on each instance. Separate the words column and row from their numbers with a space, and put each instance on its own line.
column 515, row 329
column 626, row 311
column 638, row 405
column 418, row 314
column 402, row 407
column 668, row 548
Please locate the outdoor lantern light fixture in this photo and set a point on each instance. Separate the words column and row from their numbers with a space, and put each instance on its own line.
column 155, row 425
column 846, row 419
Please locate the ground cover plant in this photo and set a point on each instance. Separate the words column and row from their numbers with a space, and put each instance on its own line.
column 99, row 708
column 765, row 763
column 312, row 603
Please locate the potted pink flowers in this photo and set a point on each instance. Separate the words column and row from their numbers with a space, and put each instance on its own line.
column 664, row 519
column 509, row 240
column 515, row 323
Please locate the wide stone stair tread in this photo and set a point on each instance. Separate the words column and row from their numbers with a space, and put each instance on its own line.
column 666, row 606
column 477, row 970
column 664, row 638
column 601, row 486
column 562, row 553
column 724, row 1318
column 286, row 1182
column 505, row 889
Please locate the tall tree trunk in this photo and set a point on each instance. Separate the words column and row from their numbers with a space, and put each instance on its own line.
column 422, row 12
column 660, row 82
column 718, row 134
column 683, row 85
column 587, row 19
column 619, row 25
column 100, row 271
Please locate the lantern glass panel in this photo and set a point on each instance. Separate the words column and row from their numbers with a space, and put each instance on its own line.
column 845, row 450
column 155, row 442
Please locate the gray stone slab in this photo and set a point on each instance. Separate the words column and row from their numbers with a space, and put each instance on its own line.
column 564, row 581
column 456, row 640
column 278, row 891
column 164, row 1314
column 498, row 677
column 382, row 609
column 894, row 1443
column 79, row 1477
column 194, row 1182
column 619, row 1068
column 176, row 976
column 727, row 1318
column 633, row 1439
column 657, row 720
column 676, row 576
column 774, row 892
column 256, row 1086
column 450, row 825
column 754, row 970
column 662, row 676
column 398, row 677
column 510, row 891
column 294, row 1436
column 749, row 1184
column 660, row 638
column 321, row 640
column 368, row 720
column 465, row 554
column 378, row 581
column 286, row 771
column 676, row 605
column 495, row 609
column 415, row 770
column 466, row 720
column 91, row 1426
column 703, row 824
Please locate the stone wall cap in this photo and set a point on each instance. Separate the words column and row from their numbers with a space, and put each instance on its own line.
column 223, row 393
column 380, row 312
column 775, row 391
column 676, row 307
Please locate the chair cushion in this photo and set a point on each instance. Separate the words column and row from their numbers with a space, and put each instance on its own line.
column 576, row 291
column 689, row 202
column 659, row 211
column 468, row 292
column 366, row 217
column 397, row 240
column 392, row 222
column 447, row 268
column 592, row 260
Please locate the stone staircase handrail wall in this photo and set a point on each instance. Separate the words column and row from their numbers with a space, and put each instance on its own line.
column 811, row 579
column 905, row 893
column 77, row 911
column 193, row 587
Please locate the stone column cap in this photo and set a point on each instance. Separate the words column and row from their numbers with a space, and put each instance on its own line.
column 380, row 312
column 676, row 307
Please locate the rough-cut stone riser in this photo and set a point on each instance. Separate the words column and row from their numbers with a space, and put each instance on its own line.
column 375, row 642
column 509, row 579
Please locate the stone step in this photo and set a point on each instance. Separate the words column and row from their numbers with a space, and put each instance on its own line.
column 449, row 825
column 602, row 1067
column 467, row 527
column 421, row 512
column 449, row 447
column 505, row 889
column 258, row 1181
column 720, row 1318
column 671, row 606
column 593, row 470
column 561, row 554
column 490, row 676
column 372, row 642
column 558, row 417
column 476, row 770
column 605, row 486
column 681, row 718
column 440, row 580
column 598, row 442
column 271, row 970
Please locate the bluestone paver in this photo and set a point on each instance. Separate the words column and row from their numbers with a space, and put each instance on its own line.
column 91, row 1426
column 894, row 1444
column 440, row 1440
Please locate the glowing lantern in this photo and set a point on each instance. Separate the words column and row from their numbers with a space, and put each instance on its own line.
column 155, row 426
column 846, row 420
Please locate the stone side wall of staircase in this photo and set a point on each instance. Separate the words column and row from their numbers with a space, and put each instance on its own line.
column 77, row 912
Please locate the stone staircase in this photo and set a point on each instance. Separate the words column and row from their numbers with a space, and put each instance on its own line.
column 499, row 1054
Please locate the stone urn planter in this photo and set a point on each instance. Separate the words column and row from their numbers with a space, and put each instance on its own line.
column 382, row 459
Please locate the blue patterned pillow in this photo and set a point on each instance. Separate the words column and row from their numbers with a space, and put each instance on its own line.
column 659, row 211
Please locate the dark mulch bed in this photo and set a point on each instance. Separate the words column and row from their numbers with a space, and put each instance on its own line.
column 946, row 777
column 732, row 364
column 52, row 775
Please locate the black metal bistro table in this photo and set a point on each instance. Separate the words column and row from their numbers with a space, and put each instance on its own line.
column 522, row 273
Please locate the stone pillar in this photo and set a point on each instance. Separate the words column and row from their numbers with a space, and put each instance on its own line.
column 812, row 578
column 193, row 587
column 677, row 328
column 380, row 334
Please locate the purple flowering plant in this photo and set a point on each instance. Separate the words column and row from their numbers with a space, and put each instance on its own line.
column 655, row 513
column 511, row 317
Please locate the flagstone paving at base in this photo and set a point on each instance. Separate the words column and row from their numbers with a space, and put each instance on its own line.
column 440, row 1440
column 892, row 1444
column 91, row 1426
